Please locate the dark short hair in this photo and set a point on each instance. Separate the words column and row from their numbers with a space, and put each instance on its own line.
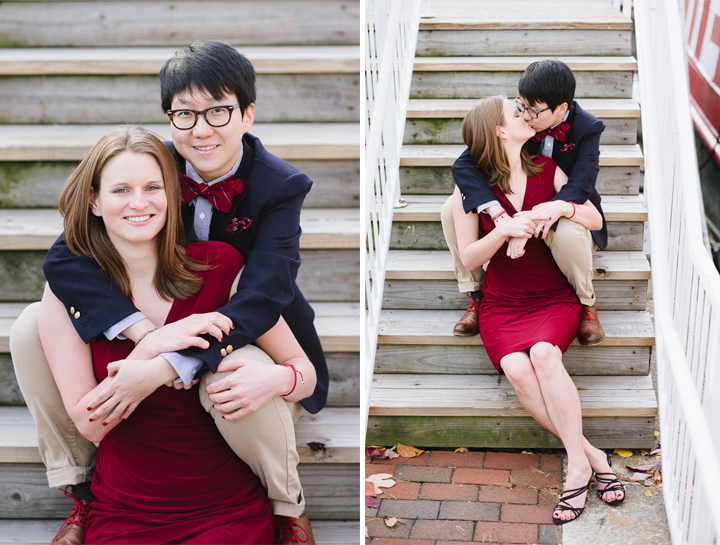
column 211, row 66
column 549, row 81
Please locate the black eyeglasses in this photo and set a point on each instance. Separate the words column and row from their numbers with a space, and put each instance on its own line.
column 217, row 116
column 520, row 106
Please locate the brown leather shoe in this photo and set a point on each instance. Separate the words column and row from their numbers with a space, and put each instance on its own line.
column 590, row 331
column 72, row 531
column 468, row 324
column 290, row 530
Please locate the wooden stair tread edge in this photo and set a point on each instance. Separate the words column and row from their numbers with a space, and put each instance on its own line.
column 289, row 141
column 444, row 155
column 331, row 436
column 589, row 23
column 519, row 64
column 395, row 382
column 434, row 327
column 337, row 325
column 37, row 228
column 607, row 108
column 301, row 59
column 615, row 208
column 438, row 265
column 502, row 401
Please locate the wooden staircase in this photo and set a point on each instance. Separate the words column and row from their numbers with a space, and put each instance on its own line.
column 434, row 389
column 69, row 72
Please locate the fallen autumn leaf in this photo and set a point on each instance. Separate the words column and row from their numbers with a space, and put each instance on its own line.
column 407, row 451
column 642, row 469
column 390, row 521
column 381, row 479
column 370, row 502
column 622, row 452
column 462, row 449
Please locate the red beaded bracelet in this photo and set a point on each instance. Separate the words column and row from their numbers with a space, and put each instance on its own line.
column 574, row 209
column 496, row 216
column 295, row 374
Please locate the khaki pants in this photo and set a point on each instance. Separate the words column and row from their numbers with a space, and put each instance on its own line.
column 572, row 247
column 265, row 439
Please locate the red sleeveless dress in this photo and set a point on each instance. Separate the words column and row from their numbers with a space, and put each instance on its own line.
column 526, row 300
column 166, row 475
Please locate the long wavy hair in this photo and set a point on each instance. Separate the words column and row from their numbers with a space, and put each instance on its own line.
column 175, row 277
column 486, row 149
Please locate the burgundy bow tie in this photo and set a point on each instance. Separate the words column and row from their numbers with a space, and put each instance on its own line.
column 558, row 133
column 220, row 195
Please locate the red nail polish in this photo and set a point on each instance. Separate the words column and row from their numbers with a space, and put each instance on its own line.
column 90, row 419
column 104, row 423
column 89, row 408
column 223, row 417
column 122, row 420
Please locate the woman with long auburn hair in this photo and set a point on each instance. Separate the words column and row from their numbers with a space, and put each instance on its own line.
column 164, row 472
column 529, row 313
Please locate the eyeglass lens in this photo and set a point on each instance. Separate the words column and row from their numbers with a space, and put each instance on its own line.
column 215, row 117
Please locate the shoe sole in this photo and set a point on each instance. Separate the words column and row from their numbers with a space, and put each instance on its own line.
column 592, row 344
column 465, row 334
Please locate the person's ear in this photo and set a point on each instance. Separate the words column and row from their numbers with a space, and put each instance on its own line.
column 94, row 208
column 500, row 132
column 563, row 108
column 248, row 118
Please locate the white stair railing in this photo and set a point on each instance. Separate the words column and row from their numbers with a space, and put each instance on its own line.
column 686, row 285
column 390, row 41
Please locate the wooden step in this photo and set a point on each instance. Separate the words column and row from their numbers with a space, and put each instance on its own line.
column 424, row 279
column 439, row 121
column 289, row 141
column 473, row 77
column 42, row 531
column 331, row 436
column 446, row 410
column 434, row 327
column 37, row 229
column 165, row 23
column 445, row 156
column 337, row 324
column 36, row 184
column 331, row 492
column 483, row 395
column 417, row 227
column 105, row 61
column 464, row 27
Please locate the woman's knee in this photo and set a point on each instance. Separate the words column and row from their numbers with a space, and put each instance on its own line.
column 521, row 376
column 545, row 357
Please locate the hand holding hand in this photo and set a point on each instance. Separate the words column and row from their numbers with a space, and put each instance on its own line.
column 132, row 381
column 249, row 387
column 183, row 334
column 520, row 226
column 546, row 214
column 516, row 247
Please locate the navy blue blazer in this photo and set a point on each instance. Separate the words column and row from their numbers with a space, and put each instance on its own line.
column 578, row 157
column 272, row 198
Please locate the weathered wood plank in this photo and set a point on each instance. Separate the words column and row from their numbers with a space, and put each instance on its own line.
column 40, row 532
column 282, row 98
column 329, row 275
column 445, row 155
column 488, row 432
column 446, row 42
column 428, row 383
column 323, row 228
column 289, row 141
column 560, row 14
column 337, row 324
column 448, row 131
column 434, row 327
column 36, row 184
column 438, row 265
column 331, row 492
column 296, row 59
column 464, row 84
column 438, row 180
column 444, row 294
column 502, row 402
column 426, row 235
column 344, row 389
column 472, row 360
column 450, row 108
column 137, row 23
column 519, row 64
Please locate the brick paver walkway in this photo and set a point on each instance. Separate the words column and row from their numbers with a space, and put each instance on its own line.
column 448, row 498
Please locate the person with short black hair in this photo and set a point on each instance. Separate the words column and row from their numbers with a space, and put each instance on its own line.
column 571, row 137
column 233, row 190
